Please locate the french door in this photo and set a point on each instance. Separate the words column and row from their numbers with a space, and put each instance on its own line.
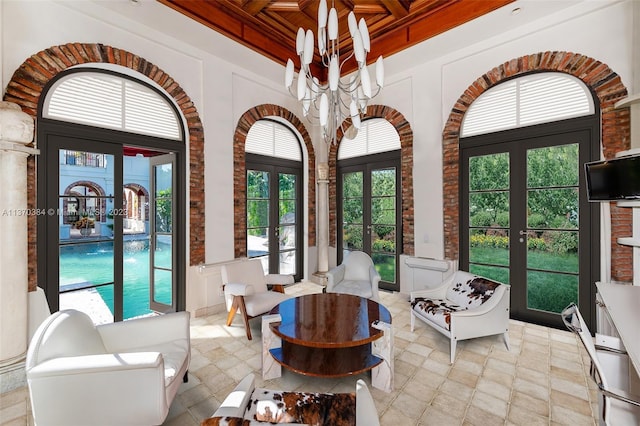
column 274, row 214
column 162, row 256
column 526, row 221
column 96, row 253
column 369, row 212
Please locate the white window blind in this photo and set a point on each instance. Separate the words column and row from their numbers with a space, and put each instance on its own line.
column 528, row 100
column 375, row 135
column 273, row 139
column 112, row 102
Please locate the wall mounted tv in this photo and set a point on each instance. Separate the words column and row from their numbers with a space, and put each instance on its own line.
column 613, row 180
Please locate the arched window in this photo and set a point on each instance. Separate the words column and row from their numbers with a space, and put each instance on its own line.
column 525, row 101
column 376, row 135
column 273, row 139
column 274, row 197
column 104, row 128
column 369, row 197
column 524, row 216
column 112, row 102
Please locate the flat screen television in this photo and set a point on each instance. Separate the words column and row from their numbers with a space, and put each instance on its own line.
column 611, row 180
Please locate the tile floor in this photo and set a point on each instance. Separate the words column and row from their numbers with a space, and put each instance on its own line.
column 543, row 380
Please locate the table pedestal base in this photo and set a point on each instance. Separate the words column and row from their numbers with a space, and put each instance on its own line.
column 329, row 362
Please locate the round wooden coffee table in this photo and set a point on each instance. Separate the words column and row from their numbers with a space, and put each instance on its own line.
column 328, row 334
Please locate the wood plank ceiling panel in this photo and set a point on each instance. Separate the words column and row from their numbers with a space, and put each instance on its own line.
column 269, row 26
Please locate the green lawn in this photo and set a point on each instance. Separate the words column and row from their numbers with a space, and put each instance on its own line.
column 547, row 291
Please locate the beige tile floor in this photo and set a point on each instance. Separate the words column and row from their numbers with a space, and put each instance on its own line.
column 543, row 380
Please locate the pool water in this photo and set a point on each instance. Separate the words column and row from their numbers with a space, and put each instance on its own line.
column 82, row 265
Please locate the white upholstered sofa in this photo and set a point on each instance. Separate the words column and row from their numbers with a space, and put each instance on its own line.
column 251, row 405
column 355, row 275
column 464, row 306
column 124, row 373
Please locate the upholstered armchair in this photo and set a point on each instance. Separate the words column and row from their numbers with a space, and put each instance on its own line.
column 355, row 275
column 124, row 373
column 464, row 306
column 247, row 404
column 246, row 290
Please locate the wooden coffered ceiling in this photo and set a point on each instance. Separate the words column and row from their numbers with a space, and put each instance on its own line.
column 269, row 26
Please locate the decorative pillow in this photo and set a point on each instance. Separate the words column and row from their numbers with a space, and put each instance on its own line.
column 471, row 292
column 223, row 421
column 319, row 409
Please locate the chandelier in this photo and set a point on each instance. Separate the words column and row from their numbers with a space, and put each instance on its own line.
column 339, row 97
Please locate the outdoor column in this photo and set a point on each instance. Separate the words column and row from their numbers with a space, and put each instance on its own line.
column 323, row 220
column 16, row 131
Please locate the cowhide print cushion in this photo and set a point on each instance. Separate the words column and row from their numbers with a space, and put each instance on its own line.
column 223, row 421
column 471, row 293
column 302, row 407
column 437, row 311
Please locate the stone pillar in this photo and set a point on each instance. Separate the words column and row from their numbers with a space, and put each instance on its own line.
column 323, row 222
column 16, row 131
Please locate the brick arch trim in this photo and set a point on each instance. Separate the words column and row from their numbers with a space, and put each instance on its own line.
column 137, row 187
column 607, row 87
column 99, row 190
column 26, row 86
column 245, row 122
column 402, row 126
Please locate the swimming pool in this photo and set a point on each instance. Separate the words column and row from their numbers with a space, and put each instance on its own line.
column 82, row 265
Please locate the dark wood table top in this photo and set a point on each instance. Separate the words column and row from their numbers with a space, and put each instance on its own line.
column 329, row 320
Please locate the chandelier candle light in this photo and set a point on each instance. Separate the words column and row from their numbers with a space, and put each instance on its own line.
column 335, row 100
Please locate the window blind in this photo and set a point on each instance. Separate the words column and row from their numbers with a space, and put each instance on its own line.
column 375, row 135
column 113, row 102
column 528, row 100
column 273, row 139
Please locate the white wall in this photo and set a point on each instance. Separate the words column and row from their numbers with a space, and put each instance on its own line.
column 225, row 79
column 428, row 89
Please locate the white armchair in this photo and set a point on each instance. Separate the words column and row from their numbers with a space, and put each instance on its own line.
column 464, row 306
column 247, row 404
column 246, row 290
column 124, row 373
column 355, row 275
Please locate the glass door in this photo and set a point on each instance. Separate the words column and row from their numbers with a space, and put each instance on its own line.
column 369, row 215
column 526, row 223
column 274, row 217
column 161, row 237
column 85, row 262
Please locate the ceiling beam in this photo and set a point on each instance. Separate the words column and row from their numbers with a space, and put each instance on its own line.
column 253, row 7
column 396, row 8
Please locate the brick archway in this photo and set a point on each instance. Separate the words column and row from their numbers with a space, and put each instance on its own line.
column 402, row 126
column 245, row 122
column 89, row 184
column 140, row 190
column 615, row 127
column 26, row 86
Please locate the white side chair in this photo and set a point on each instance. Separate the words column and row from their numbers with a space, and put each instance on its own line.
column 355, row 275
column 248, row 404
column 246, row 290
column 609, row 370
column 464, row 306
column 124, row 373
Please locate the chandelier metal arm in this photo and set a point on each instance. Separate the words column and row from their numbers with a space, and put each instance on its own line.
column 340, row 101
